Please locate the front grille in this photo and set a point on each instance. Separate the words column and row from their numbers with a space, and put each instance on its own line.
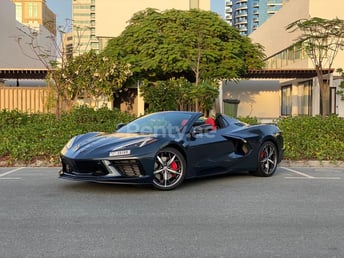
column 93, row 167
column 129, row 168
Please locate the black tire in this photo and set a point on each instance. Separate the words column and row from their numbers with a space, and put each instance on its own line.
column 267, row 160
column 169, row 169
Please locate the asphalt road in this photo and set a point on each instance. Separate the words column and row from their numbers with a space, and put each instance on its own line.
column 299, row 212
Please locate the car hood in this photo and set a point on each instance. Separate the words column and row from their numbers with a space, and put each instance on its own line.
column 100, row 144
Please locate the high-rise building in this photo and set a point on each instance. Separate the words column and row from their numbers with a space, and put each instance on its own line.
column 248, row 15
column 95, row 22
column 84, row 26
column 34, row 12
column 67, row 45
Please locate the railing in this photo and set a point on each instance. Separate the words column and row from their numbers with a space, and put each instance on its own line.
column 25, row 99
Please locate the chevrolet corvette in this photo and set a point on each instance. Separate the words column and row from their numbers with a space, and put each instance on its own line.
column 165, row 148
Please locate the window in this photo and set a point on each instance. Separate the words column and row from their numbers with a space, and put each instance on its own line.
column 19, row 12
column 333, row 102
column 33, row 10
column 305, row 99
column 286, row 101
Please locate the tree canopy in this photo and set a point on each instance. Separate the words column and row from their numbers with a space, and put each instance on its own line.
column 194, row 44
column 92, row 75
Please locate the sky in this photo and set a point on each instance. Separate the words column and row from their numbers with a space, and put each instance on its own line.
column 218, row 6
column 63, row 9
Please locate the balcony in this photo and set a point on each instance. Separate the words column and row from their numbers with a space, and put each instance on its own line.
column 229, row 10
column 229, row 3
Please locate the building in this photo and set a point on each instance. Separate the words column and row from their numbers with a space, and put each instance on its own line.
column 67, row 45
column 16, row 42
column 248, row 15
column 297, row 90
column 19, row 65
column 33, row 12
column 95, row 22
column 84, row 26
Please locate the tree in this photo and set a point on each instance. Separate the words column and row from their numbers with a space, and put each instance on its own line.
column 197, row 45
column 322, row 39
column 52, row 56
column 89, row 75
column 92, row 75
column 178, row 94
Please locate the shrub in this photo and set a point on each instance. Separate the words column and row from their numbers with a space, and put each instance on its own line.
column 307, row 137
column 26, row 137
column 249, row 120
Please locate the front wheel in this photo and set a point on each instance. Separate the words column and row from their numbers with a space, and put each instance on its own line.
column 267, row 160
column 169, row 169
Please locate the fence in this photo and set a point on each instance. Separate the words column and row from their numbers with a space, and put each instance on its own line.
column 25, row 99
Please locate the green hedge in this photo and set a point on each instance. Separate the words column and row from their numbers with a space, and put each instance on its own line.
column 317, row 138
column 27, row 137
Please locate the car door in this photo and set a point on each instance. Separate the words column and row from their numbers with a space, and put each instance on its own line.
column 209, row 152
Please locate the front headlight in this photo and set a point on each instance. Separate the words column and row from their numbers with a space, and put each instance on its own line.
column 125, row 149
column 70, row 143
column 136, row 143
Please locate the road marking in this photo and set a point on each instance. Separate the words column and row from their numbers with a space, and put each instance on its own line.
column 10, row 172
column 305, row 176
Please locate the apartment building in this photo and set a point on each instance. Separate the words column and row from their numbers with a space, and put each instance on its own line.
column 95, row 22
column 34, row 12
column 248, row 15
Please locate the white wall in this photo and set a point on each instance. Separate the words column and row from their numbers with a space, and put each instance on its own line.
column 15, row 50
column 258, row 98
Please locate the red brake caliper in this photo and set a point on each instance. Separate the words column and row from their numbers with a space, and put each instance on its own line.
column 174, row 166
column 262, row 154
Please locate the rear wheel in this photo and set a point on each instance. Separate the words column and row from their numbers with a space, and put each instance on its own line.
column 169, row 169
column 267, row 160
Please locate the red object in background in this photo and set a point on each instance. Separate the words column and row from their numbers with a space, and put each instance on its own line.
column 210, row 121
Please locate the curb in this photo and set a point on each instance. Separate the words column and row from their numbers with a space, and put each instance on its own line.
column 312, row 163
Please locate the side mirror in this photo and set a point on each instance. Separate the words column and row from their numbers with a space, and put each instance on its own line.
column 120, row 125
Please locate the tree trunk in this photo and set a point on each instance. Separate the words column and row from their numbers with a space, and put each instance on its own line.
column 324, row 92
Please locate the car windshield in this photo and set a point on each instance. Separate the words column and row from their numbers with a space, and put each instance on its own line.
column 157, row 123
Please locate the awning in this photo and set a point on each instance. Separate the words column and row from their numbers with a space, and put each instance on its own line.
column 284, row 73
column 23, row 73
column 252, row 74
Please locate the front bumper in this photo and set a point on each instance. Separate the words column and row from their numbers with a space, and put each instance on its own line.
column 129, row 171
column 106, row 179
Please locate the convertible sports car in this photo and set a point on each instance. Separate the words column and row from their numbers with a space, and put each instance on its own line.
column 165, row 148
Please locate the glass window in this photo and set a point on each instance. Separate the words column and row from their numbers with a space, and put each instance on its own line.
column 333, row 102
column 305, row 93
column 286, row 101
column 33, row 10
column 19, row 12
